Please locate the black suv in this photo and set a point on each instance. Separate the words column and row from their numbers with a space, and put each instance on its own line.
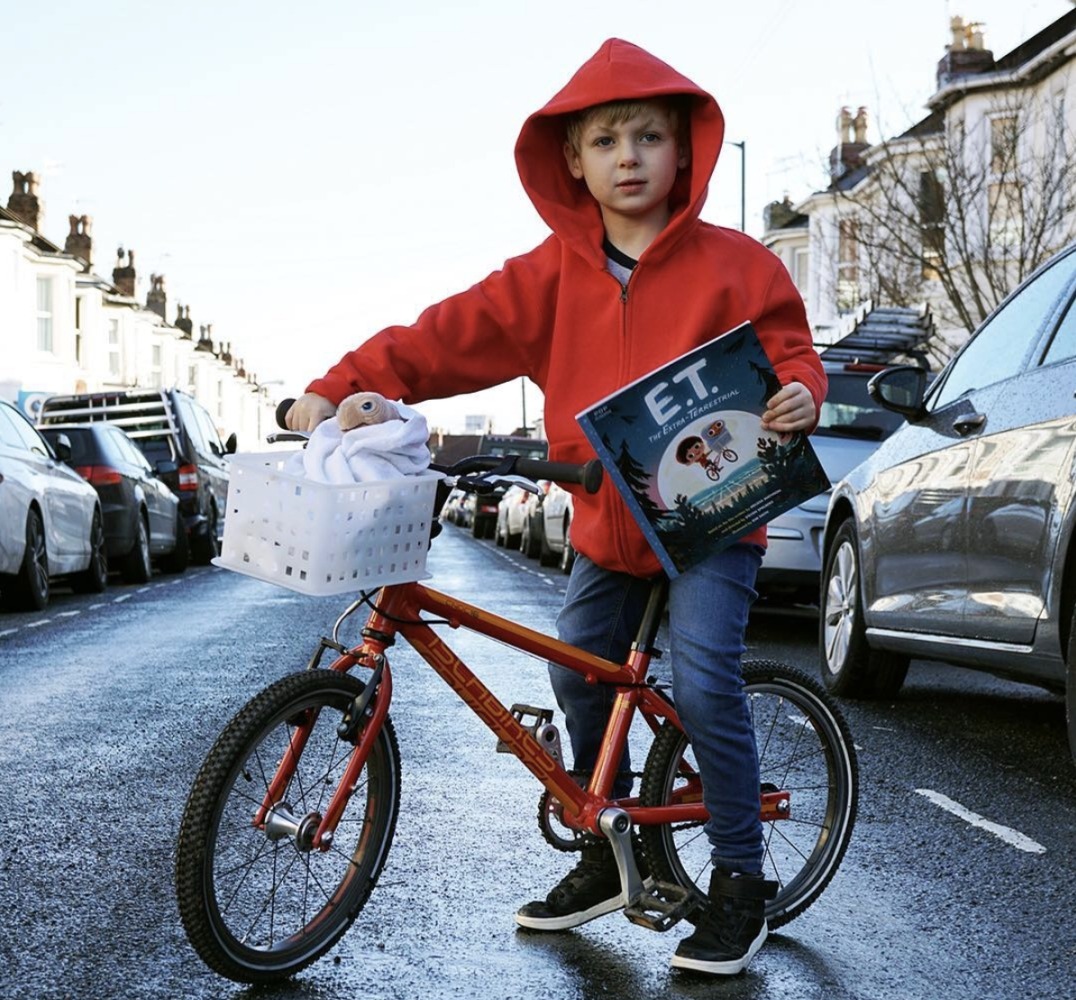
column 172, row 428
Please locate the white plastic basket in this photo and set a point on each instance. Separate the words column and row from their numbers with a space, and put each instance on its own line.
column 320, row 538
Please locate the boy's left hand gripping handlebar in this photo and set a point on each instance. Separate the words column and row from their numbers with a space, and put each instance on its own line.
column 588, row 475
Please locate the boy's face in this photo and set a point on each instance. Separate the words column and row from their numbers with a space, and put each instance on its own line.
column 629, row 168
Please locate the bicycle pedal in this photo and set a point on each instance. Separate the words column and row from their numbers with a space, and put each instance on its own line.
column 523, row 712
column 662, row 905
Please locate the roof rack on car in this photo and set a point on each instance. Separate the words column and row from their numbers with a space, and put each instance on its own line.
column 142, row 413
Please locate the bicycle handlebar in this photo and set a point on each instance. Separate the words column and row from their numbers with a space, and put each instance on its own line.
column 588, row 475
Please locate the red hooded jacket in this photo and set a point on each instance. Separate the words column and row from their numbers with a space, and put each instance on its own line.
column 557, row 316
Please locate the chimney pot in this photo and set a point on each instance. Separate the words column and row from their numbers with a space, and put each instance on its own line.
column 24, row 201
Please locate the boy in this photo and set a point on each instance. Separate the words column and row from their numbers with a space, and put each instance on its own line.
column 618, row 164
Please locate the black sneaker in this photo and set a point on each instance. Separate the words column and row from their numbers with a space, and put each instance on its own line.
column 591, row 889
column 731, row 929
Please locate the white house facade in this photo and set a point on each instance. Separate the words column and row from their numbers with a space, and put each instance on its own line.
column 65, row 328
column 953, row 213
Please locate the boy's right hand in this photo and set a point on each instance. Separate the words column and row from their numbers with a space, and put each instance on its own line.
column 308, row 411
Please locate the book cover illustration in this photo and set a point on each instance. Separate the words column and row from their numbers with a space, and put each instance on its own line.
column 685, row 447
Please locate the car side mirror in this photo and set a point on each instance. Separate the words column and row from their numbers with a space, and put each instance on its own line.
column 231, row 444
column 61, row 445
column 165, row 467
column 900, row 389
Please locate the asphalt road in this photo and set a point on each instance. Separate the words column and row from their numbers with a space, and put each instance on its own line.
column 956, row 884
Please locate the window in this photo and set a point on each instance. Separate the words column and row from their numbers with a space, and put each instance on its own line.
column 931, row 222
column 847, row 265
column 800, row 271
column 20, row 434
column 1005, row 216
column 1003, row 143
column 998, row 350
column 114, row 347
column 1063, row 345
column 155, row 366
column 44, row 314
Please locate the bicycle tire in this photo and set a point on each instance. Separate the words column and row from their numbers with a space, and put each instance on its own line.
column 805, row 748
column 258, row 910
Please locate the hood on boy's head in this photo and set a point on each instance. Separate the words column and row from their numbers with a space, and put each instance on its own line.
column 617, row 71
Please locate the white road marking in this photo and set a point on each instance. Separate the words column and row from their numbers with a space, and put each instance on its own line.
column 8, row 631
column 1011, row 837
column 143, row 590
column 121, row 599
column 67, row 614
column 44, row 621
column 95, row 607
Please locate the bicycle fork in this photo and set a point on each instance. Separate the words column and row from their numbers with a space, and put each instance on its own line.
column 363, row 720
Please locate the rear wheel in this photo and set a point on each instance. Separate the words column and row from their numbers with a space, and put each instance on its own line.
column 804, row 750
column 94, row 578
column 1070, row 688
column 28, row 589
column 136, row 564
column 204, row 547
column 179, row 558
column 259, row 903
column 849, row 666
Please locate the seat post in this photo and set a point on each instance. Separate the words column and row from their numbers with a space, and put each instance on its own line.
column 651, row 620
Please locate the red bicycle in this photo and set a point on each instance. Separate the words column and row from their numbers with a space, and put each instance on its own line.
column 290, row 819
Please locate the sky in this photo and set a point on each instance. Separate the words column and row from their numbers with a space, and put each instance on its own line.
column 306, row 174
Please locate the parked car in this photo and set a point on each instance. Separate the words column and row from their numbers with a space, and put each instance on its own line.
column 451, row 510
column 50, row 518
column 851, row 425
column 530, row 540
column 555, row 547
column 141, row 514
column 482, row 512
column 510, row 516
column 954, row 540
column 166, row 425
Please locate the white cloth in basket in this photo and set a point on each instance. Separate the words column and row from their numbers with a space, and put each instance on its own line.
column 365, row 454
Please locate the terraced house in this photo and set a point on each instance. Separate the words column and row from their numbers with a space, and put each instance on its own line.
column 939, row 223
column 65, row 328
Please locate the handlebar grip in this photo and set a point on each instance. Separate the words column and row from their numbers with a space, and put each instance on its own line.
column 282, row 411
column 589, row 475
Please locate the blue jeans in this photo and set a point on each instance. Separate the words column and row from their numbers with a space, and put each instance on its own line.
column 708, row 608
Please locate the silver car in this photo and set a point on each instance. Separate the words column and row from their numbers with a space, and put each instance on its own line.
column 954, row 540
column 50, row 518
column 851, row 426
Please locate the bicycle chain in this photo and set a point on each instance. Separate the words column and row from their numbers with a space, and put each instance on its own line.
column 549, row 808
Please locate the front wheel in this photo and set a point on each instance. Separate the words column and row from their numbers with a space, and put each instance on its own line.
column 805, row 751
column 259, row 903
column 849, row 666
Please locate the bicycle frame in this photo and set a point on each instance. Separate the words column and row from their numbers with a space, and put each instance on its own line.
column 397, row 610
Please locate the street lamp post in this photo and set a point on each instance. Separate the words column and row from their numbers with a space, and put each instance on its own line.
column 742, row 146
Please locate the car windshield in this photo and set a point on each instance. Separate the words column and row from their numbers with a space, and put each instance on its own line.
column 850, row 412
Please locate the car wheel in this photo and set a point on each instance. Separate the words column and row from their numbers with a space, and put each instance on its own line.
column 546, row 555
column 136, row 564
column 500, row 537
column 1070, row 688
column 567, row 557
column 849, row 666
column 204, row 546
column 530, row 544
column 94, row 578
column 179, row 558
column 29, row 587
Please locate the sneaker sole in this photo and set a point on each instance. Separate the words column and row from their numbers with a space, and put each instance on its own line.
column 570, row 920
column 729, row 968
